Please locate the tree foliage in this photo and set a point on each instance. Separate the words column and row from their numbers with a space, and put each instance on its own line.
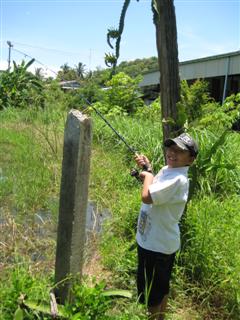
column 193, row 98
column 121, row 95
column 138, row 66
column 222, row 116
column 131, row 68
column 20, row 88
column 68, row 73
column 80, row 70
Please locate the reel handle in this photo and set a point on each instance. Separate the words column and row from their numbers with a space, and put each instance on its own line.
column 135, row 172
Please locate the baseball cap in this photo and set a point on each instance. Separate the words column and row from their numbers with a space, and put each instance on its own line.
column 185, row 142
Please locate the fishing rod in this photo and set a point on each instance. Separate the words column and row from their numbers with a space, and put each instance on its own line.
column 110, row 126
column 134, row 172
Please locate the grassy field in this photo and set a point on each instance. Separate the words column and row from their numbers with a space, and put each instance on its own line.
column 206, row 276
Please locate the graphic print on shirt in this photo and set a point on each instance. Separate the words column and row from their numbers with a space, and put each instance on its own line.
column 144, row 224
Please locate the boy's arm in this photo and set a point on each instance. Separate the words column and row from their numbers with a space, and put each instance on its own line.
column 147, row 181
column 146, row 176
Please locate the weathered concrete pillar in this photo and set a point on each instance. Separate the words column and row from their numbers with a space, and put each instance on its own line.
column 73, row 202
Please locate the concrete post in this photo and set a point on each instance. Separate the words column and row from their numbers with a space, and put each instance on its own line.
column 73, row 202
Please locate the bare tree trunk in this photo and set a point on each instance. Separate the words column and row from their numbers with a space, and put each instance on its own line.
column 166, row 38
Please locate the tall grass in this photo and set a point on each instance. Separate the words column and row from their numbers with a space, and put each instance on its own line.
column 211, row 256
column 144, row 135
column 217, row 166
column 30, row 162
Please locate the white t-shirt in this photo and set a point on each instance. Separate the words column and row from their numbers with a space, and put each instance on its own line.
column 158, row 228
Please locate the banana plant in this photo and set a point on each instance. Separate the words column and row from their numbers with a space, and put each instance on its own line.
column 20, row 87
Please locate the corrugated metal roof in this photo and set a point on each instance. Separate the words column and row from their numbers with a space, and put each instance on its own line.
column 201, row 68
column 218, row 56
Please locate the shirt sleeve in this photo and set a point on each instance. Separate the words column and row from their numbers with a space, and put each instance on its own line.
column 165, row 191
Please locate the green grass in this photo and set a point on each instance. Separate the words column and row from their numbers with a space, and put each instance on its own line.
column 206, row 277
column 30, row 172
column 210, row 255
column 20, row 280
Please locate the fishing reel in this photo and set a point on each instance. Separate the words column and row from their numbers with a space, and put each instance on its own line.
column 135, row 173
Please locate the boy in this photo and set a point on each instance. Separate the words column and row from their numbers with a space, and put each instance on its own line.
column 163, row 200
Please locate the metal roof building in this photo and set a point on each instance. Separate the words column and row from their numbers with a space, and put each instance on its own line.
column 69, row 85
column 221, row 71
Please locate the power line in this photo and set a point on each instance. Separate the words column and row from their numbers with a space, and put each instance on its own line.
column 29, row 56
column 39, row 62
column 44, row 48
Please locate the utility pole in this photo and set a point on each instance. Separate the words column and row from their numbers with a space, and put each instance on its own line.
column 10, row 45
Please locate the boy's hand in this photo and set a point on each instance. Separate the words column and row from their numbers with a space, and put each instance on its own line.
column 145, row 174
column 143, row 162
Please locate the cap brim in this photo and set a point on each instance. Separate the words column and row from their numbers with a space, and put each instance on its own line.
column 176, row 141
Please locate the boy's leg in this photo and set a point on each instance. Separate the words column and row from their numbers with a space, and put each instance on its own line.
column 158, row 312
column 154, row 271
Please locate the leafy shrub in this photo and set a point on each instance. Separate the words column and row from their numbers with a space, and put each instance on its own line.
column 20, row 88
column 89, row 302
column 153, row 111
column 19, row 280
column 56, row 99
column 193, row 98
column 225, row 116
column 122, row 92
column 103, row 108
column 89, row 91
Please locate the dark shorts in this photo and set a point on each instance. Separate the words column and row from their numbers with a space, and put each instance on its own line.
column 153, row 275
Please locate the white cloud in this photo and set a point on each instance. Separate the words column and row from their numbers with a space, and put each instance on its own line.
column 46, row 72
column 3, row 65
column 193, row 46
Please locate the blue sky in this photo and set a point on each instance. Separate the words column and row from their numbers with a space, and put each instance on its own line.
column 56, row 32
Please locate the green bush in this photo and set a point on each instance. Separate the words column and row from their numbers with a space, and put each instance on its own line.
column 89, row 91
column 151, row 112
column 193, row 98
column 56, row 99
column 89, row 302
column 122, row 92
column 20, row 88
column 20, row 281
column 226, row 116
